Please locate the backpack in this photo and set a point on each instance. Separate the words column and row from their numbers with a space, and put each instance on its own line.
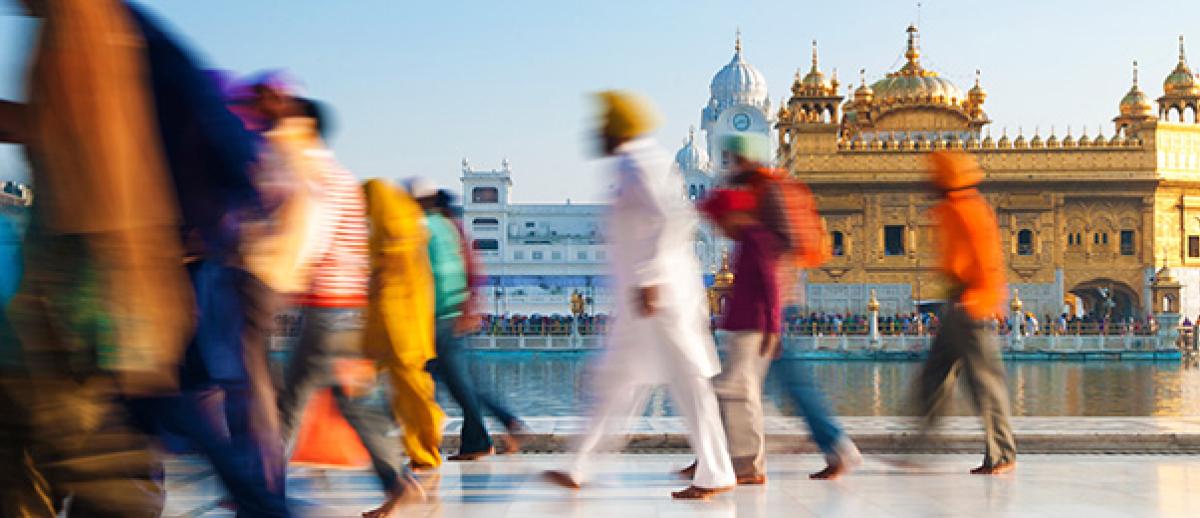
column 787, row 207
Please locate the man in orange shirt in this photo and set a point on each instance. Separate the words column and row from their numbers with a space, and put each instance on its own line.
column 971, row 258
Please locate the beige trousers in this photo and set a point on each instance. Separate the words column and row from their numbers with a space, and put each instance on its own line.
column 739, row 393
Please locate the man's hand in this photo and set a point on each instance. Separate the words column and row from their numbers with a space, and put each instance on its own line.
column 770, row 346
column 647, row 298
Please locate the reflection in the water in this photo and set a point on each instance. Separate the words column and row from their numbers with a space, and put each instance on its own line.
column 554, row 384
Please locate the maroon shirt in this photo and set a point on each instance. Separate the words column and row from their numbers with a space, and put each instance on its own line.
column 754, row 304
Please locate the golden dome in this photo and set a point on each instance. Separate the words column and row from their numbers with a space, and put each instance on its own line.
column 988, row 142
column 1068, row 141
column 863, row 94
column 1181, row 82
column 1004, row 142
column 814, row 84
column 1036, row 141
column 913, row 84
column 1135, row 103
column 1052, row 141
column 1083, row 139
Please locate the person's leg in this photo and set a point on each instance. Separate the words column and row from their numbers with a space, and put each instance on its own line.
column 984, row 373
column 308, row 369
column 372, row 424
column 414, row 405
column 812, row 404
column 86, row 447
column 23, row 491
column 259, row 421
column 452, row 371
column 237, row 462
column 739, row 393
column 841, row 455
column 693, row 396
column 935, row 385
column 618, row 402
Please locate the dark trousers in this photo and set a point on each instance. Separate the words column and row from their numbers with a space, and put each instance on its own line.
column 327, row 334
column 965, row 346
column 451, row 369
column 237, row 458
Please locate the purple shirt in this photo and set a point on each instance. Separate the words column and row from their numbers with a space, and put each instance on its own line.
column 754, row 304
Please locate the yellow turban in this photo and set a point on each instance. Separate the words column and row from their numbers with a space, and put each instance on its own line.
column 626, row 114
column 954, row 170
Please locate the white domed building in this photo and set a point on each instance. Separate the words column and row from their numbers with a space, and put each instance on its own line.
column 739, row 103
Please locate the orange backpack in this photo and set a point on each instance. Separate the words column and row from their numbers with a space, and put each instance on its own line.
column 788, row 208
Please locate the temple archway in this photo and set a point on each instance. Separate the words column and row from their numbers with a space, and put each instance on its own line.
column 1107, row 297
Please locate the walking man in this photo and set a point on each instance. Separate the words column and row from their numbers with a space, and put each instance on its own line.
column 449, row 264
column 971, row 259
column 753, row 318
column 661, row 335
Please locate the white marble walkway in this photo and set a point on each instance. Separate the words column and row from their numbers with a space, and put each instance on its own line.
column 635, row 486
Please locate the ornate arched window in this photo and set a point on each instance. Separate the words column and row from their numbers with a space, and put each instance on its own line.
column 1025, row 242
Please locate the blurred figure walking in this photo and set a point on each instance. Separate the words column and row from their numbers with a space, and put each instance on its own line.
column 450, row 260
column 661, row 333
column 399, row 329
column 777, row 229
column 103, row 312
column 972, row 260
column 329, row 352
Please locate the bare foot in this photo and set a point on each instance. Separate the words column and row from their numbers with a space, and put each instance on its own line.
column 699, row 493
column 408, row 491
column 831, row 472
column 471, row 456
column 560, row 479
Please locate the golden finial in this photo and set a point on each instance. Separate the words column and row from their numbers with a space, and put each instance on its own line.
column 814, row 55
column 976, row 77
column 862, row 76
column 1182, row 55
column 873, row 303
column 914, row 45
column 1016, row 300
column 737, row 42
column 1135, row 73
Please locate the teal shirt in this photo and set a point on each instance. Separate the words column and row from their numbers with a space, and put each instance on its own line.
column 449, row 267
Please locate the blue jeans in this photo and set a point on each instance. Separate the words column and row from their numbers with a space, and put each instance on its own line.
column 811, row 404
column 451, row 369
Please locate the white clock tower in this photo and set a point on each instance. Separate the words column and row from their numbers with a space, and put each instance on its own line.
column 739, row 103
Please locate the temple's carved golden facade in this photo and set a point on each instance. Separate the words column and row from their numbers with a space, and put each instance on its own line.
column 1079, row 214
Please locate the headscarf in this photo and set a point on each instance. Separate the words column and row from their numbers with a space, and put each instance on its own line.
column 953, row 170
column 626, row 115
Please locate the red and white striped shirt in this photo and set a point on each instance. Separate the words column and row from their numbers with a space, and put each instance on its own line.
column 339, row 277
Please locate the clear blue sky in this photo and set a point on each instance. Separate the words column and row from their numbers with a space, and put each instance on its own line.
column 419, row 85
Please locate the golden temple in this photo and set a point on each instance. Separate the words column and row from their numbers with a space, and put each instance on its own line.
column 1085, row 218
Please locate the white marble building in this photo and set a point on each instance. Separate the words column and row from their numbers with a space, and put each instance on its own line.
column 536, row 255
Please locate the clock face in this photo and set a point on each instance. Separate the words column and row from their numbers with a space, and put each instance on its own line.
column 741, row 122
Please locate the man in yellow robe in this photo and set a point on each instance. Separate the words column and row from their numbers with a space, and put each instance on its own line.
column 399, row 328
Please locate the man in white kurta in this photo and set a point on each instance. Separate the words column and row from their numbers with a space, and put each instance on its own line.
column 661, row 331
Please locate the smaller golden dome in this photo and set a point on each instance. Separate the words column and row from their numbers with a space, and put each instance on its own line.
column 1135, row 103
column 1020, row 141
column 1004, row 143
column 1068, row 141
column 1036, row 141
column 863, row 94
column 976, row 94
column 1116, row 140
column 1052, row 141
column 1181, row 82
column 814, row 83
column 988, row 141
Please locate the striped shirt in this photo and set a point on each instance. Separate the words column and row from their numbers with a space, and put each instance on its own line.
column 339, row 276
